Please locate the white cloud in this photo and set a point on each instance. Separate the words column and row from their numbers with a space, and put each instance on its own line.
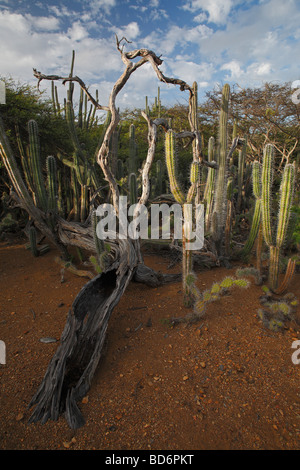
column 166, row 42
column 77, row 32
column 130, row 31
column 44, row 23
column 200, row 18
column 102, row 5
column 218, row 10
column 235, row 68
column 190, row 71
column 50, row 51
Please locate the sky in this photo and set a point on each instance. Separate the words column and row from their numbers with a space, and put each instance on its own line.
column 240, row 42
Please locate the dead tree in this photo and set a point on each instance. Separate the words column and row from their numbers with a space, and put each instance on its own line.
column 70, row 372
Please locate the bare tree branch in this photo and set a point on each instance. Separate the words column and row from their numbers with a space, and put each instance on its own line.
column 40, row 76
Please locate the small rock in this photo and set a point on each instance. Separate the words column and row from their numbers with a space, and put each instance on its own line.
column 48, row 339
column 203, row 365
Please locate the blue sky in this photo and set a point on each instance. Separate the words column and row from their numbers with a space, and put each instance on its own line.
column 244, row 42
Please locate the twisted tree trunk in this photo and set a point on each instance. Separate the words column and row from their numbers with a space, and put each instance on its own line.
column 70, row 372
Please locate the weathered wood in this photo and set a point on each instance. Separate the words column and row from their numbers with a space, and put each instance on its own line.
column 70, row 372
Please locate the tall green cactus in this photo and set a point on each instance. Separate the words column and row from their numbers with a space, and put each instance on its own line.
column 228, row 224
column 208, row 197
column 275, row 242
column 132, row 188
column 132, row 165
column 182, row 198
column 171, row 159
column 36, row 166
column 241, row 167
column 256, row 219
column 52, row 184
column 159, row 178
column 220, row 200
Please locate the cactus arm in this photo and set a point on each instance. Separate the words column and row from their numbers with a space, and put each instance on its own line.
column 209, row 187
column 254, row 229
column 286, row 198
column 267, row 178
column 170, row 150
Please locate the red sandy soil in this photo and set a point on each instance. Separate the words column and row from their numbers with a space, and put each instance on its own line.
column 226, row 382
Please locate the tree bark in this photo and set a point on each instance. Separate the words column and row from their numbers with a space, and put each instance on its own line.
column 70, row 372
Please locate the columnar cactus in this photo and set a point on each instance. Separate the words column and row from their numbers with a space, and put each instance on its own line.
column 275, row 243
column 220, row 201
column 256, row 220
column 181, row 198
column 132, row 188
column 241, row 167
column 52, row 184
column 208, row 197
column 159, row 178
column 229, row 216
column 132, row 150
column 36, row 166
